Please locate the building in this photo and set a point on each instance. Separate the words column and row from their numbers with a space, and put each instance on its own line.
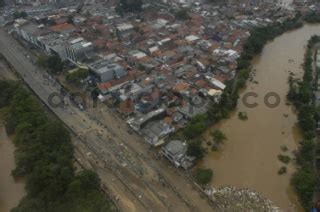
column 107, row 70
column 30, row 32
column 124, row 29
column 138, row 122
column 76, row 49
column 176, row 152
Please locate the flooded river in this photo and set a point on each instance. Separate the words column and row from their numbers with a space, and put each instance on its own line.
column 11, row 191
column 248, row 159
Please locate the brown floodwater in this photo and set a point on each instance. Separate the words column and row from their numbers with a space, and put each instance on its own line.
column 11, row 191
column 248, row 159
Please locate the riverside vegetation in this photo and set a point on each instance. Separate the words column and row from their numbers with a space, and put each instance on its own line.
column 300, row 94
column 44, row 157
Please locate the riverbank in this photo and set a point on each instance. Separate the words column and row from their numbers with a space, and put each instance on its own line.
column 301, row 94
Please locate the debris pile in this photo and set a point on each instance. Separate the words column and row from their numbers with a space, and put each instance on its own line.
column 232, row 199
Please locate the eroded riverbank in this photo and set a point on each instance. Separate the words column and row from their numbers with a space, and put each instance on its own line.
column 249, row 157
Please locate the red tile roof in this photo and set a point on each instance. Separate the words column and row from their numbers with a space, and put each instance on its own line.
column 62, row 27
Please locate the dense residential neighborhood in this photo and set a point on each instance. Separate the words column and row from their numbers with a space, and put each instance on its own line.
column 152, row 71
column 153, row 67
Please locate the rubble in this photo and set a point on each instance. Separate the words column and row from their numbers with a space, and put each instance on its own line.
column 232, row 199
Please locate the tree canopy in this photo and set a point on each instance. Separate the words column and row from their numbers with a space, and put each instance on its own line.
column 129, row 6
column 203, row 176
column 44, row 156
column 301, row 94
column 52, row 62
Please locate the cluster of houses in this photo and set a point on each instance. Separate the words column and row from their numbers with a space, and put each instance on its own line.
column 162, row 71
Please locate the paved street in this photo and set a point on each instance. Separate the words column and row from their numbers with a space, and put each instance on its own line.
column 128, row 169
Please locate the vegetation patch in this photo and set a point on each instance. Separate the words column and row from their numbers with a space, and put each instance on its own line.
column 182, row 14
column 203, row 176
column 195, row 149
column 284, row 148
column 282, row 170
column 77, row 76
column 53, row 63
column 243, row 116
column 300, row 94
column 44, row 156
column 284, row 158
column 218, row 137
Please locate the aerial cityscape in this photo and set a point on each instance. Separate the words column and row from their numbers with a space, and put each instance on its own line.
column 169, row 105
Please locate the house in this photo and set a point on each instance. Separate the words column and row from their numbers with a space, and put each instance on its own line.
column 64, row 28
column 193, row 106
column 192, row 38
column 156, row 131
column 176, row 152
column 215, row 94
column 124, row 29
column 138, row 122
column 107, row 70
column 215, row 83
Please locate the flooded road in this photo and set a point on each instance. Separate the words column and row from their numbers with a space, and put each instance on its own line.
column 11, row 191
column 248, row 159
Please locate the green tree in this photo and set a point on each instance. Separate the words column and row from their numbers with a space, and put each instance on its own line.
column 304, row 183
column 77, row 76
column 195, row 149
column 129, row 6
column 18, row 14
column 44, row 156
column 182, row 14
column 55, row 63
column 42, row 61
column 52, row 62
column 203, row 176
column 306, row 155
column 218, row 137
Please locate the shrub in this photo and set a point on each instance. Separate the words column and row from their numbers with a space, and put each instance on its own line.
column 284, row 158
column 203, row 176
column 282, row 170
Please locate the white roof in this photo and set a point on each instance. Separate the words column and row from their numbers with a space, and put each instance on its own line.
column 122, row 27
column 191, row 38
column 216, row 82
column 214, row 92
column 164, row 41
column 76, row 40
column 139, row 55
column 153, row 49
column 87, row 44
column 162, row 21
column 231, row 52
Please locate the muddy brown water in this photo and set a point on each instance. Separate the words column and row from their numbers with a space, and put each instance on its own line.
column 11, row 190
column 248, row 159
